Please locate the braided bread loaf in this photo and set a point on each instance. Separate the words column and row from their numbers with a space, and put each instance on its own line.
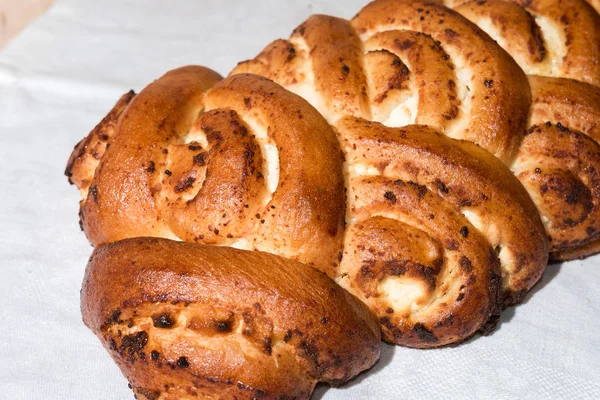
column 422, row 259
column 426, row 224
column 186, row 321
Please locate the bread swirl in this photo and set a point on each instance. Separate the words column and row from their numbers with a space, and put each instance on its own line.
column 436, row 229
column 183, row 320
column 248, row 165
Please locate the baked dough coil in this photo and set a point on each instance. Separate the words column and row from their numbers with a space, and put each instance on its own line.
column 403, row 62
column 557, row 38
column 184, row 320
column 439, row 233
column 558, row 44
column 246, row 164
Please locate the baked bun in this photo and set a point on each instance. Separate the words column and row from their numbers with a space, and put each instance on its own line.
column 246, row 164
column 186, row 320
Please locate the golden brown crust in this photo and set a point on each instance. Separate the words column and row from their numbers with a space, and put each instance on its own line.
column 555, row 40
column 428, row 217
column 420, row 54
column 183, row 319
column 278, row 189
column 87, row 153
column 465, row 85
column 559, row 38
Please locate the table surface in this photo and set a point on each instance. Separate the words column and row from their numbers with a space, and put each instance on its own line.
column 60, row 77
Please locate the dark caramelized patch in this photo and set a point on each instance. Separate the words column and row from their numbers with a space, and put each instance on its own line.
column 451, row 33
column 345, row 69
column 267, row 346
column 200, row 159
column 134, row 342
column 390, row 196
column 163, row 320
column 424, row 334
column 441, row 186
column 185, row 184
column 421, row 189
column 182, row 362
column 148, row 394
column 465, row 264
column 94, row 193
column 223, row 326
column 114, row 317
column 151, row 167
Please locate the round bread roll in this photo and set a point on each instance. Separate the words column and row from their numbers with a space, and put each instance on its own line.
column 440, row 235
column 183, row 320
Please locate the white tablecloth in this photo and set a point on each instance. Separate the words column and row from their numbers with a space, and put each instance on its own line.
column 61, row 76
